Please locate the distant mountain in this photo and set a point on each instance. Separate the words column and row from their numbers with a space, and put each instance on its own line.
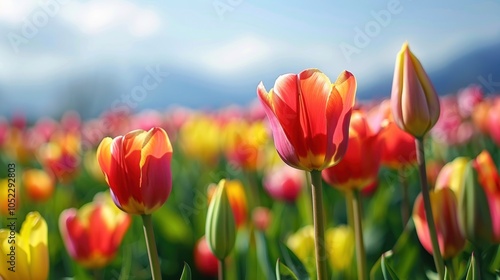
column 480, row 66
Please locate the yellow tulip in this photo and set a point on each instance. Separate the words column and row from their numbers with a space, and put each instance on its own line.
column 25, row 255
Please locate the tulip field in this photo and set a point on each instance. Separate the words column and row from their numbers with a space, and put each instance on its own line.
column 307, row 182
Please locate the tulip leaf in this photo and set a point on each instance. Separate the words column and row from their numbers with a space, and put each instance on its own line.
column 263, row 254
column 293, row 262
column 283, row 272
column 387, row 271
column 472, row 270
column 186, row 272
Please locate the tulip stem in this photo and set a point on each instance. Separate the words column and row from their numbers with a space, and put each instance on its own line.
column 151, row 246
column 355, row 204
column 319, row 224
column 438, row 260
column 405, row 202
column 222, row 269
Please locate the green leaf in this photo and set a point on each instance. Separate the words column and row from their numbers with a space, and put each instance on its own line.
column 263, row 254
column 186, row 272
column 293, row 262
column 283, row 272
column 473, row 270
column 387, row 270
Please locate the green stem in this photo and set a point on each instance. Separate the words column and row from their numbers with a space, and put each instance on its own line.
column 222, row 269
column 151, row 246
column 358, row 235
column 319, row 224
column 405, row 203
column 438, row 260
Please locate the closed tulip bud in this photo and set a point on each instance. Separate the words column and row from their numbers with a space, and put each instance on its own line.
column 220, row 228
column 93, row 233
column 415, row 104
column 444, row 209
column 137, row 169
column 237, row 199
column 39, row 185
column 25, row 252
column 309, row 117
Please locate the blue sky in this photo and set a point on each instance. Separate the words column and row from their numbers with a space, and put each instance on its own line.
column 229, row 42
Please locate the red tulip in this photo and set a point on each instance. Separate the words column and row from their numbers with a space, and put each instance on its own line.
column 204, row 260
column 444, row 208
column 137, row 169
column 309, row 117
column 93, row 233
column 360, row 165
column 284, row 183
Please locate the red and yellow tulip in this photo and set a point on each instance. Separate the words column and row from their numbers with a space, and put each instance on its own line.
column 137, row 169
column 309, row 117
column 39, row 185
column 93, row 233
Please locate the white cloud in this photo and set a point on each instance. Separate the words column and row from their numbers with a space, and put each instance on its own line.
column 97, row 16
column 14, row 11
column 236, row 55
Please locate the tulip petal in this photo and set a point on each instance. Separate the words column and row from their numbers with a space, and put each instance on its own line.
column 341, row 100
column 132, row 148
column 156, row 177
column 283, row 145
column 104, row 156
column 315, row 89
column 34, row 233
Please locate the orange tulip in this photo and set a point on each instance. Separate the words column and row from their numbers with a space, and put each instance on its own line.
column 360, row 165
column 39, row 185
column 415, row 104
column 93, row 233
column 137, row 169
column 309, row 117
column 444, row 208
column 493, row 121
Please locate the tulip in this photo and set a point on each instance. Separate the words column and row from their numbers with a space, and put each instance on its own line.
column 284, row 183
column 415, row 104
column 237, row 199
column 61, row 156
column 243, row 142
column 8, row 201
column 204, row 259
column 415, row 108
column 93, row 233
column 220, row 229
column 137, row 169
column 360, row 165
column 261, row 218
column 451, row 175
column 301, row 243
column 309, row 117
column 39, row 185
column 398, row 147
column 199, row 138
column 480, row 201
column 480, row 116
column 444, row 205
column 340, row 244
column 29, row 247
column 494, row 120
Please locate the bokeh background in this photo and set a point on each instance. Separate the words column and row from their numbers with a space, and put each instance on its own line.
column 57, row 55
